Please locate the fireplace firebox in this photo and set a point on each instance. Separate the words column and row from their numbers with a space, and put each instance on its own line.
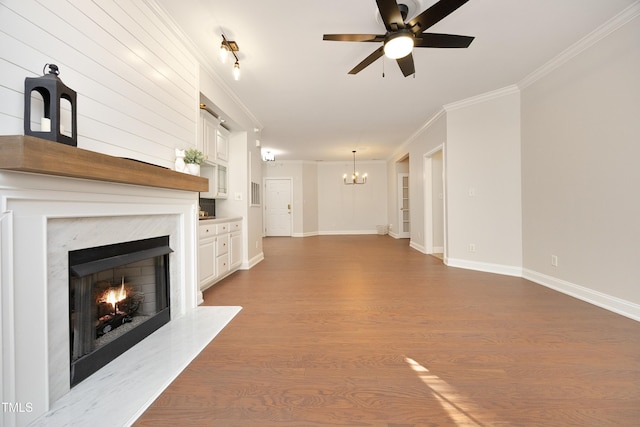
column 118, row 295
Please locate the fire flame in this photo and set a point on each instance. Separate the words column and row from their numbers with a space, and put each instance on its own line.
column 114, row 296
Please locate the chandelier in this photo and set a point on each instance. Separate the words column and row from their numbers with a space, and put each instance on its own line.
column 355, row 178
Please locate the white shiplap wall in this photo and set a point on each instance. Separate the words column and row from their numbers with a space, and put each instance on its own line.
column 137, row 84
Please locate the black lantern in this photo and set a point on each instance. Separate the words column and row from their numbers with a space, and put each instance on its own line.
column 52, row 90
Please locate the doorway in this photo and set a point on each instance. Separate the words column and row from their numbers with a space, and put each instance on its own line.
column 404, row 222
column 434, row 200
column 278, row 212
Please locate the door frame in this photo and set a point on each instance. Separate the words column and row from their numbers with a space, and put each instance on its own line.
column 401, row 234
column 428, row 199
column 264, row 210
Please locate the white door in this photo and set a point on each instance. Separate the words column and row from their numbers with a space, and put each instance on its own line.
column 403, row 202
column 278, row 206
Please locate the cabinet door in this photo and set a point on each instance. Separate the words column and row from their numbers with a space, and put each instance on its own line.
column 209, row 135
column 221, row 182
column 236, row 249
column 206, row 262
column 222, row 145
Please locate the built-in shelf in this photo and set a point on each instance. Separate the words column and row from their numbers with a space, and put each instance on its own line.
column 29, row 154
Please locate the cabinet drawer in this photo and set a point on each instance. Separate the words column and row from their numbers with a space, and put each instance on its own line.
column 206, row 230
column 223, row 264
column 222, row 228
column 235, row 226
column 223, row 244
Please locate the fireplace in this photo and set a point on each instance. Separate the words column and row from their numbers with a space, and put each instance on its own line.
column 118, row 295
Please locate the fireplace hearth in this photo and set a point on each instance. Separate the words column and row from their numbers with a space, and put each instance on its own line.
column 118, row 295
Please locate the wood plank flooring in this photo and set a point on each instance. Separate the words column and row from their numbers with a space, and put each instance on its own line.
column 365, row 331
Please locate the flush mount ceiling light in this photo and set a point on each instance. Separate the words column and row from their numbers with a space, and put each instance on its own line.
column 230, row 47
column 269, row 157
column 398, row 45
column 355, row 177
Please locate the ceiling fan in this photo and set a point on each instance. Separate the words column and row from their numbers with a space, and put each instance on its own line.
column 401, row 37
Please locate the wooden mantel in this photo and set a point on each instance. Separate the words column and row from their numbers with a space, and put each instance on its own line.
column 29, row 154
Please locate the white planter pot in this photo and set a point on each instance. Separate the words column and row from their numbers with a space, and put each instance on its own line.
column 193, row 169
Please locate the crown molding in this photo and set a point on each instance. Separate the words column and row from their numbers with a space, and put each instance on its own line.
column 403, row 149
column 613, row 24
column 484, row 97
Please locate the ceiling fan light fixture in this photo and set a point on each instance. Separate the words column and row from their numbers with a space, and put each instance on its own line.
column 398, row 45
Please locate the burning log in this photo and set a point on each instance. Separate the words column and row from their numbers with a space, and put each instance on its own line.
column 109, row 322
column 115, row 307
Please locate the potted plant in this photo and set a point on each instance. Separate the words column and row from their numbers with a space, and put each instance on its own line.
column 193, row 158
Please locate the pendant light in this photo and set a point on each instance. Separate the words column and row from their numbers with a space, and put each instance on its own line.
column 355, row 178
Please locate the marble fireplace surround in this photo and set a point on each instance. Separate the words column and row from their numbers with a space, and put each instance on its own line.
column 42, row 217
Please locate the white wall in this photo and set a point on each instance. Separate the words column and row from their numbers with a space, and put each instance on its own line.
column 432, row 135
column 351, row 209
column 483, row 183
column 310, row 198
column 580, row 147
column 136, row 84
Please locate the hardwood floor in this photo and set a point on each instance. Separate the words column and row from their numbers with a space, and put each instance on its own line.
column 365, row 331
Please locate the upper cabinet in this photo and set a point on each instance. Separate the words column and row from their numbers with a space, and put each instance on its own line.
column 214, row 143
column 215, row 139
column 222, row 145
column 209, row 134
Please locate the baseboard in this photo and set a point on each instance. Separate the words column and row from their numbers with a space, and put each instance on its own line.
column 507, row 270
column 608, row 302
column 307, row 234
column 252, row 262
column 417, row 247
column 346, row 232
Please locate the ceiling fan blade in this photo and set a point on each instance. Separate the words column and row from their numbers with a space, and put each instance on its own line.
column 406, row 65
column 390, row 14
column 368, row 60
column 434, row 14
column 442, row 40
column 353, row 37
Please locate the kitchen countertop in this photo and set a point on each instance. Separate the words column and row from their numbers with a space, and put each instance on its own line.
column 215, row 220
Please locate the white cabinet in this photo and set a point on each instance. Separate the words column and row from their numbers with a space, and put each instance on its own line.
column 206, row 253
column 222, row 145
column 206, row 269
column 215, row 147
column 222, row 182
column 235, row 244
column 219, row 250
column 218, row 181
column 209, row 134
